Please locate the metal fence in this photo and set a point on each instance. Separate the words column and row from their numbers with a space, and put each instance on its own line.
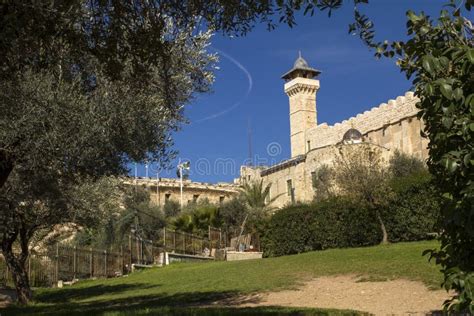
column 68, row 263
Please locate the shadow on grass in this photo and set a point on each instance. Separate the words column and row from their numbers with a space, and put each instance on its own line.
column 66, row 295
column 190, row 303
column 60, row 302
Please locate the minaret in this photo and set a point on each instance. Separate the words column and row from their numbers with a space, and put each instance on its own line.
column 301, row 87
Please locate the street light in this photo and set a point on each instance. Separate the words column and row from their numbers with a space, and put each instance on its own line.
column 182, row 166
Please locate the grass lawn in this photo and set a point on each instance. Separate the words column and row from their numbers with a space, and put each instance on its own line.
column 168, row 290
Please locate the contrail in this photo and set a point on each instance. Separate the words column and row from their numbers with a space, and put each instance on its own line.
column 235, row 105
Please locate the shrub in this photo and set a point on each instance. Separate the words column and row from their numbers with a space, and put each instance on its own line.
column 289, row 231
column 197, row 217
column 414, row 212
column 402, row 165
column 171, row 208
column 333, row 223
column 342, row 223
column 232, row 214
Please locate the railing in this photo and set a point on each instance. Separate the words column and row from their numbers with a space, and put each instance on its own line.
column 69, row 263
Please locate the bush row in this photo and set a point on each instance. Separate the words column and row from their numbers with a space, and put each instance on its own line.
column 339, row 222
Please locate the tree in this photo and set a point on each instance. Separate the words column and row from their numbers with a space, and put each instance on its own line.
column 197, row 217
column 34, row 208
column 61, row 129
column 257, row 199
column 321, row 180
column 171, row 208
column 88, row 86
column 439, row 59
column 232, row 214
column 359, row 173
column 402, row 165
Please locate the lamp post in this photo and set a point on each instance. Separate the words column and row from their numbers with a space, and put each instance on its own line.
column 181, row 167
column 158, row 186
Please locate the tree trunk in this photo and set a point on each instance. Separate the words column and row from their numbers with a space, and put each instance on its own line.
column 6, row 167
column 19, row 273
column 17, row 266
column 241, row 231
column 382, row 228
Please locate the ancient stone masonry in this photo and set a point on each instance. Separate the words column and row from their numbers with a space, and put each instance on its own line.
column 388, row 127
column 377, row 118
column 165, row 189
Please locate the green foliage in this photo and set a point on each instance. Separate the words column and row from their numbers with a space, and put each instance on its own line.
column 138, row 217
column 401, row 165
column 81, row 96
column 232, row 214
column 191, row 284
column 360, row 174
column 171, row 208
column 197, row 217
column 321, row 180
column 414, row 211
column 333, row 223
column 257, row 199
column 366, row 191
column 438, row 57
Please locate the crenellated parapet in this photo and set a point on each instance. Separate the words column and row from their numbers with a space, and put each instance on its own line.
column 378, row 117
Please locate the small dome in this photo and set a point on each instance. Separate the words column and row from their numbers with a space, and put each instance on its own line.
column 352, row 136
column 300, row 63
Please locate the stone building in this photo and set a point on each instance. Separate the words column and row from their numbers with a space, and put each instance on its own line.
column 165, row 189
column 390, row 126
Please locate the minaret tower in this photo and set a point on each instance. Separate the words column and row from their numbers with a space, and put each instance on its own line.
column 301, row 87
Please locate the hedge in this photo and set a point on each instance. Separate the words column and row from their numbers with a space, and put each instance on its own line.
column 329, row 224
column 413, row 213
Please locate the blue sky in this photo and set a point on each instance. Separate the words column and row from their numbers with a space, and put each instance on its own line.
column 248, row 87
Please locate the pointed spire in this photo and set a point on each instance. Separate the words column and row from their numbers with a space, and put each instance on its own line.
column 299, row 66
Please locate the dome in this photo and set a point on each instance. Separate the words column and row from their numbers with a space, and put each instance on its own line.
column 352, row 136
column 301, row 69
column 300, row 63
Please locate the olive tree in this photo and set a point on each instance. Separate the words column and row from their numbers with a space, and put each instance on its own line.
column 360, row 173
column 73, row 122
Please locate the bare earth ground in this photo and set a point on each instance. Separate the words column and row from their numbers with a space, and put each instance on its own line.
column 396, row 297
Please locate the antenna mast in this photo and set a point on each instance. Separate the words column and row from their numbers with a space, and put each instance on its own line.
column 249, row 134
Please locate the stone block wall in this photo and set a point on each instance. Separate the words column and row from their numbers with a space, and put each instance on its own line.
column 393, row 125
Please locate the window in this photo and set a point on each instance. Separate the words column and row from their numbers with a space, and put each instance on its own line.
column 290, row 190
column 195, row 197
column 167, row 197
column 308, row 145
column 269, row 195
column 221, row 199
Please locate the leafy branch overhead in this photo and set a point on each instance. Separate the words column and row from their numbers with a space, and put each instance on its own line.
column 439, row 59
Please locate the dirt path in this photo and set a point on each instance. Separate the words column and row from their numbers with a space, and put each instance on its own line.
column 397, row 297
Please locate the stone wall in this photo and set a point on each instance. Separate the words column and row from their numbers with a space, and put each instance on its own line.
column 393, row 125
column 300, row 173
column 169, row 189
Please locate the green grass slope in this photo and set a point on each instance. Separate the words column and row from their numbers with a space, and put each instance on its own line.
column 162, row 290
